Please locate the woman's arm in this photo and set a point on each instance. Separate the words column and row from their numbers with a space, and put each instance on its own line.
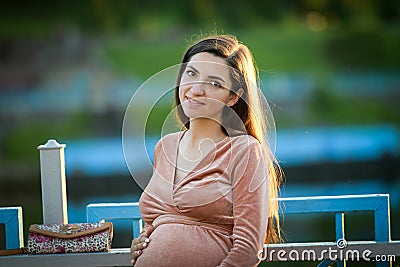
column 250, row 207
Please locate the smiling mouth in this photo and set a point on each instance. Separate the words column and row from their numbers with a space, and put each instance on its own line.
column 194, row 102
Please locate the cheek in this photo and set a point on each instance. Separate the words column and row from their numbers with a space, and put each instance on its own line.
column 182, row 91
column 223, row 97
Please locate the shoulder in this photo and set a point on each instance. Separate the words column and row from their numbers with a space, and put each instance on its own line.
column 170, row 140
column 245, row 141
column 247, row 147
column 249, row 162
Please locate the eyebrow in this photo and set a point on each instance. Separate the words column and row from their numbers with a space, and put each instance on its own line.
column 210, row 76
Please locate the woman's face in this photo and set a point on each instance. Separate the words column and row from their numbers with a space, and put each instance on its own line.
column 205, row 87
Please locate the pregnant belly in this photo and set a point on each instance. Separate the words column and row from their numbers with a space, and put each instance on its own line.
column 184, row 245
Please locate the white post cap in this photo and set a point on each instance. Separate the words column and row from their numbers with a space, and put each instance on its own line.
column 51, row 144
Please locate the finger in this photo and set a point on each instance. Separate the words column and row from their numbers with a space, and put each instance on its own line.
column 135, row 254
column 135, row 242
column 147, row 231
column 143, row 239
column 139, row 240
column 141, row 245
column 137, row 245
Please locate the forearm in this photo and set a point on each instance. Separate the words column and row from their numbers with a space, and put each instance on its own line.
column 250, row 203
column 248, row 238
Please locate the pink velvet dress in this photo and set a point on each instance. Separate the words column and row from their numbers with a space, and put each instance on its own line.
column 216, row 215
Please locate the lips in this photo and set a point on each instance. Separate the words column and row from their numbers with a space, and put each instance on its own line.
column 194, row 101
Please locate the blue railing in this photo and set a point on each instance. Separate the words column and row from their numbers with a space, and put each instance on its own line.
column 339, row 205
column 110, row 211
column 11, row 217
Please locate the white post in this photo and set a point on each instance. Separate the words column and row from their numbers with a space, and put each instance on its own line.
column 54, row 193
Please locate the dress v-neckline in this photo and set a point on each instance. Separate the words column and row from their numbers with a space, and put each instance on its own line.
column 176, row 186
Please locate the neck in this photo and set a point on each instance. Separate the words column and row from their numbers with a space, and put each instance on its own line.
column 202, row 128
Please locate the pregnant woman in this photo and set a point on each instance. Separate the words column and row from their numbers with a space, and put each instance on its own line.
column 212, row 198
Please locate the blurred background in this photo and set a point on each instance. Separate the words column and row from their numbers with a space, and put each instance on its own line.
column 330, row 70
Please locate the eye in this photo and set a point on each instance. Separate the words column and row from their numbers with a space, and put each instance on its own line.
column 215, row 84
column 191, row 73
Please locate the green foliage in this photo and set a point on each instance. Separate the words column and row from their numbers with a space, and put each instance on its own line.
column 107, row 16
column 287, row 49
column 142, row 59
column 156, row 119
column 364, row 49
column 274, row 49
column 21, row 142
column 327, row 108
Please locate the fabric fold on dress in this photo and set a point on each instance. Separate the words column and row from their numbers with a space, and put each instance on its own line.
column 181, row 219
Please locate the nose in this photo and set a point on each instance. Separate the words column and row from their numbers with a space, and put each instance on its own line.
column 197, row 88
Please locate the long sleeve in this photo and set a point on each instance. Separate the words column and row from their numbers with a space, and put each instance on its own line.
column 250, row 207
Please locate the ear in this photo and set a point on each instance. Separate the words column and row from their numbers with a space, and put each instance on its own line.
column 235, row 96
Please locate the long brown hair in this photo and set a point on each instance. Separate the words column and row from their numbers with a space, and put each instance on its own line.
column 244, row 75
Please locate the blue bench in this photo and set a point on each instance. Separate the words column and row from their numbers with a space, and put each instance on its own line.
column 110, row 211
column 11, row 217
column 379, row 204
column 339, row 205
